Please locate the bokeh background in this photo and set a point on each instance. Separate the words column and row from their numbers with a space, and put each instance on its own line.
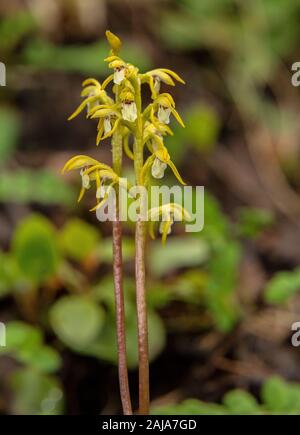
column 221, row 302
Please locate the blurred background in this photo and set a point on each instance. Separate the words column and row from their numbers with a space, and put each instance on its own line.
column 221, row 302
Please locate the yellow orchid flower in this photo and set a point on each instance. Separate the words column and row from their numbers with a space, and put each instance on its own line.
column 94, row 94
column 90, row 170
column 158, row 163
column 129, row 109
column 169, row 213
column 156, row 76
column 109, row 120
column 165, row 106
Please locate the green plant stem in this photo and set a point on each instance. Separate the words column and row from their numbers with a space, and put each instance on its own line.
column 142, row 321
column 118, row 286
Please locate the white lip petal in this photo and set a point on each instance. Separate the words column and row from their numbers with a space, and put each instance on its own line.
column 107, row 125
column 85, row 180
column 164, row 114
column 129, row 111
column 158, row 169
column 119, row 75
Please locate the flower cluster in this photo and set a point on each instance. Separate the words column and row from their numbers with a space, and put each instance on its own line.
column 120, row 114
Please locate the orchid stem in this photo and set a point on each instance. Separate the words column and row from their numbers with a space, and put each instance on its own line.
column 140, row 273
column 118, row 286
column 144, row 396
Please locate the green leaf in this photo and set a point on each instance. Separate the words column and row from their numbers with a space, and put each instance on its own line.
column 217, row 229
column 41, row 186
column 6, row 275
column 190, row 407
column 282, row 286
column 176, row 253
column 44, row 55
column 241, row 402
column 9, row 133
column 25, row 343
column 36, row 394
column 279, row 396
column 13, row 28
column 105, row 250
column 35, row 248
column 43, row 358
column 20, row 335
column 202, row 127
column 105, row 347
column 77, row 321
column 78, row 239
column 220, row 292
column 251, row 221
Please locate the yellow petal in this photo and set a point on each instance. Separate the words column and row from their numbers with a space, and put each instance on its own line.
column 86, row 91
column 165, row 231
column 91, row 81
column 107, row 81
column 100, row 131
column 81, row 107
column 105, row 197
column 151, row 230
column 164, row 77
column 82, row 192
column 127, row 150
column 78, row 162
column 101, row 113
column 173, row 74
column 114, row 41
column 111, row 132
column 175, row 172
column 177, row 117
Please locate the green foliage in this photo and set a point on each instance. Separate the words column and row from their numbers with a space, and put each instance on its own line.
column 105, row 249
column 202, row 127
column 13, row 28
column 41, row 186
column 282, row 286
column 240, row 402
column 9, row 132
column 251, row 221
column 223, row 266
column 201, row 131
column 6, row 275
column 220, row 292
column 190, row 407
column 36, row 393
column 25, row 343
column 177, row 253
column 104, row 347
column 42, row 54
column 77, row 321
column 78, row 239
column 278, row 397
column 35, row 248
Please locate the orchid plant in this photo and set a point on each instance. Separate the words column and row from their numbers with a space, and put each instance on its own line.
column 122, row 118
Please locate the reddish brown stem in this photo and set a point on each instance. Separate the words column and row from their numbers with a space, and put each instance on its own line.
column 120, row 318
column 144, row 396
